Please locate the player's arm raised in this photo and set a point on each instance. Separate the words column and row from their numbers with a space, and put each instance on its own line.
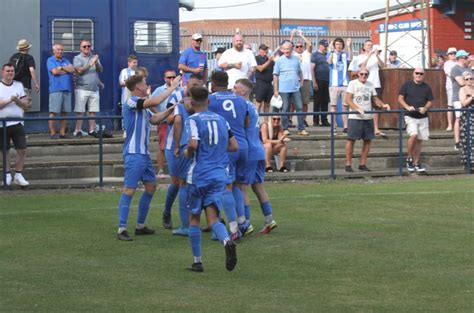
column 153, row 102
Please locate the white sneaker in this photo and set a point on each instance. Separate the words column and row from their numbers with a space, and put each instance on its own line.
column 20, row 180
column 9, row 179
column 79, row 133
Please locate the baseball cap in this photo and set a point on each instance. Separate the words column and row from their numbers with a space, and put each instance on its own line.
column 263, row 47
column 219, row 50
column 452, row 50
column 324, row 42
column 393, row 52
column 196, row 36
column 461, row 54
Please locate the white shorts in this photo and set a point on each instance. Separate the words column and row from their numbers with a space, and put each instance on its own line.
column 86, row 99
column 418, row 126
column 449, row 95
column 457, row 105
column 335, row 92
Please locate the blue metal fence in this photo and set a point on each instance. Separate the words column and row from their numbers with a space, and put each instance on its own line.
column 332, row 116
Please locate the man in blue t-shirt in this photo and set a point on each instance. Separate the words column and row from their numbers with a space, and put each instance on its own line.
column 193, row 60
column 60, row 89
column 210, row 137
column 234, row 109
column 138, row 166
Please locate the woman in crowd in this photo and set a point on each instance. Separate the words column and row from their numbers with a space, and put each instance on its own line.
column 466, row 96
column 274, row 142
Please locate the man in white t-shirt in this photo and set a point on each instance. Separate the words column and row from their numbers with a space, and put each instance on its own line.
column 448, row 66
column 237, row 61
column 13, row 103
column 359, row 98
column 303, row 50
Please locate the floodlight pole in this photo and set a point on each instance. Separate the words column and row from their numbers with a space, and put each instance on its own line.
column 279, row 14
column 387, row 13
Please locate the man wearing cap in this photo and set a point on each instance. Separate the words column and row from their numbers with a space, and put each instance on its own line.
column 448, row 66
column 24, row 65
column 392, row 61
column 320, row 78
column 217, row 56
column 264, row 78
column 60, row 89
column 237, row 61
column 457, row 80
column 193, row 60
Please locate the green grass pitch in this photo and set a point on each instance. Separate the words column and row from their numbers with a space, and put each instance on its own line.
column 398, row 245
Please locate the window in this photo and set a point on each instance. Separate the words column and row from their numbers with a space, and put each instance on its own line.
column 70, row 32
column 153, row 37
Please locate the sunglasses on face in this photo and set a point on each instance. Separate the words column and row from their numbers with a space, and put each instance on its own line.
column 299, row 46
column 364, row 74
column 86, row 46
column 419, row 73
column 468, row 79
column 276, row 119
column 198, row 40
column 170, row 77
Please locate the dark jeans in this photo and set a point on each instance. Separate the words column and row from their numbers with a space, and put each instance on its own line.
column 321, row 100
column 295, row 98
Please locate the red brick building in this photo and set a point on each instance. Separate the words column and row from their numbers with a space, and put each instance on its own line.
column 451, row 24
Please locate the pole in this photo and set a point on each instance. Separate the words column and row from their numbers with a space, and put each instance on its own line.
column 428, row 30
column 387, row 13
column 279, row 15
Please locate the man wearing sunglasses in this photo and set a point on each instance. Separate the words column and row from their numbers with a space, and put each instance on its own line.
column 360, row 96
column 87, row 97
column 193, row 60
column 416, row 97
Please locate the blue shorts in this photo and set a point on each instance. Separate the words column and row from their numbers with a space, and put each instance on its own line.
column 172, row 162
column 237, row 164
column 138, row 167
column 199, row 198
column 60, row 102
column 183, row 164
column 254, row 172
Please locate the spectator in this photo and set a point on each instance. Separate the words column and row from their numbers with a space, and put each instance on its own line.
column 13, row 103
column 359, row 97
column 392, row 61
column 169, row 75
column 448, row 66
column 466, row 97
column 126, row 73
column 217, row 55
column 25, row 70
column 136, row 154
column 287, row 80
column 471, row 62
column 338, row 61
column 87, row 96
column 193, row 60
column 237, row 61
column 370, row 59
column 320, row 78
column 264, row 78
column 439, row 62
column 458, row 82
column 416, row 97
column 303, row 49
column 60, row 89
column 274, row 142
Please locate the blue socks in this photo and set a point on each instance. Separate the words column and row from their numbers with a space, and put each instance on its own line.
column 247, row 212
column 123, row 208
column 183, row 210
column 266, row 208
column 219, row 229
column 143, row 207
column 171, row 194
column 229, row 206
column 195, row 239
column 239, row 201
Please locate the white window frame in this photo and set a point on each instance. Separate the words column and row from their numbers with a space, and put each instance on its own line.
column 153, row 49
column 66, row 47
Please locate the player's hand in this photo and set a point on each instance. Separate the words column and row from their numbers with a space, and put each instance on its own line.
column 175, row 82
column 176, row 152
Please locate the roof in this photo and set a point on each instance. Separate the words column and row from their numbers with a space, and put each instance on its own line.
column 367, row 15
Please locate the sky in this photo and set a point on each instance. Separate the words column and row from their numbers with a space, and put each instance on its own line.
column 304, row 9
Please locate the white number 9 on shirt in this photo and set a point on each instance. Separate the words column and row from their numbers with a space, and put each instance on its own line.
column 228, row 105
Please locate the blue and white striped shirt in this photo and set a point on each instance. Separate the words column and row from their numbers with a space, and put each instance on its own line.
column 137, row 126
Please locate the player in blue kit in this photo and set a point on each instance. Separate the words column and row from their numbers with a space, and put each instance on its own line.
column 138, row 166
column 210, row 138
column 255, row 167
column 176, row 141
column 234, row 109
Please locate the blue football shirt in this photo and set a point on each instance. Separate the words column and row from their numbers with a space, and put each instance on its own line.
column 256, row 151
column 137, row 126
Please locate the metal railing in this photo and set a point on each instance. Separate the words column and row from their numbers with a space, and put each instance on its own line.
column 332, row 116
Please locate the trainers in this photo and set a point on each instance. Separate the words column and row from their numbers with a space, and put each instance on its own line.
column 124, row 236
column 93, row 133
column 457, row 146
column 243, row 227
column 344, row 130
column 196, row 267
column 20, row 180
column 181, row 231
column 236, row 236
column 79, row 133
column 348, row 169
column 419, row 168
column 167, row 224
column 283, row 169
column 144, row 231
column 230, row 255
column 364, row 168
column 267, row 228
column 410, row 166
column 9, row 179
column 303, row 133
column 249, row 230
